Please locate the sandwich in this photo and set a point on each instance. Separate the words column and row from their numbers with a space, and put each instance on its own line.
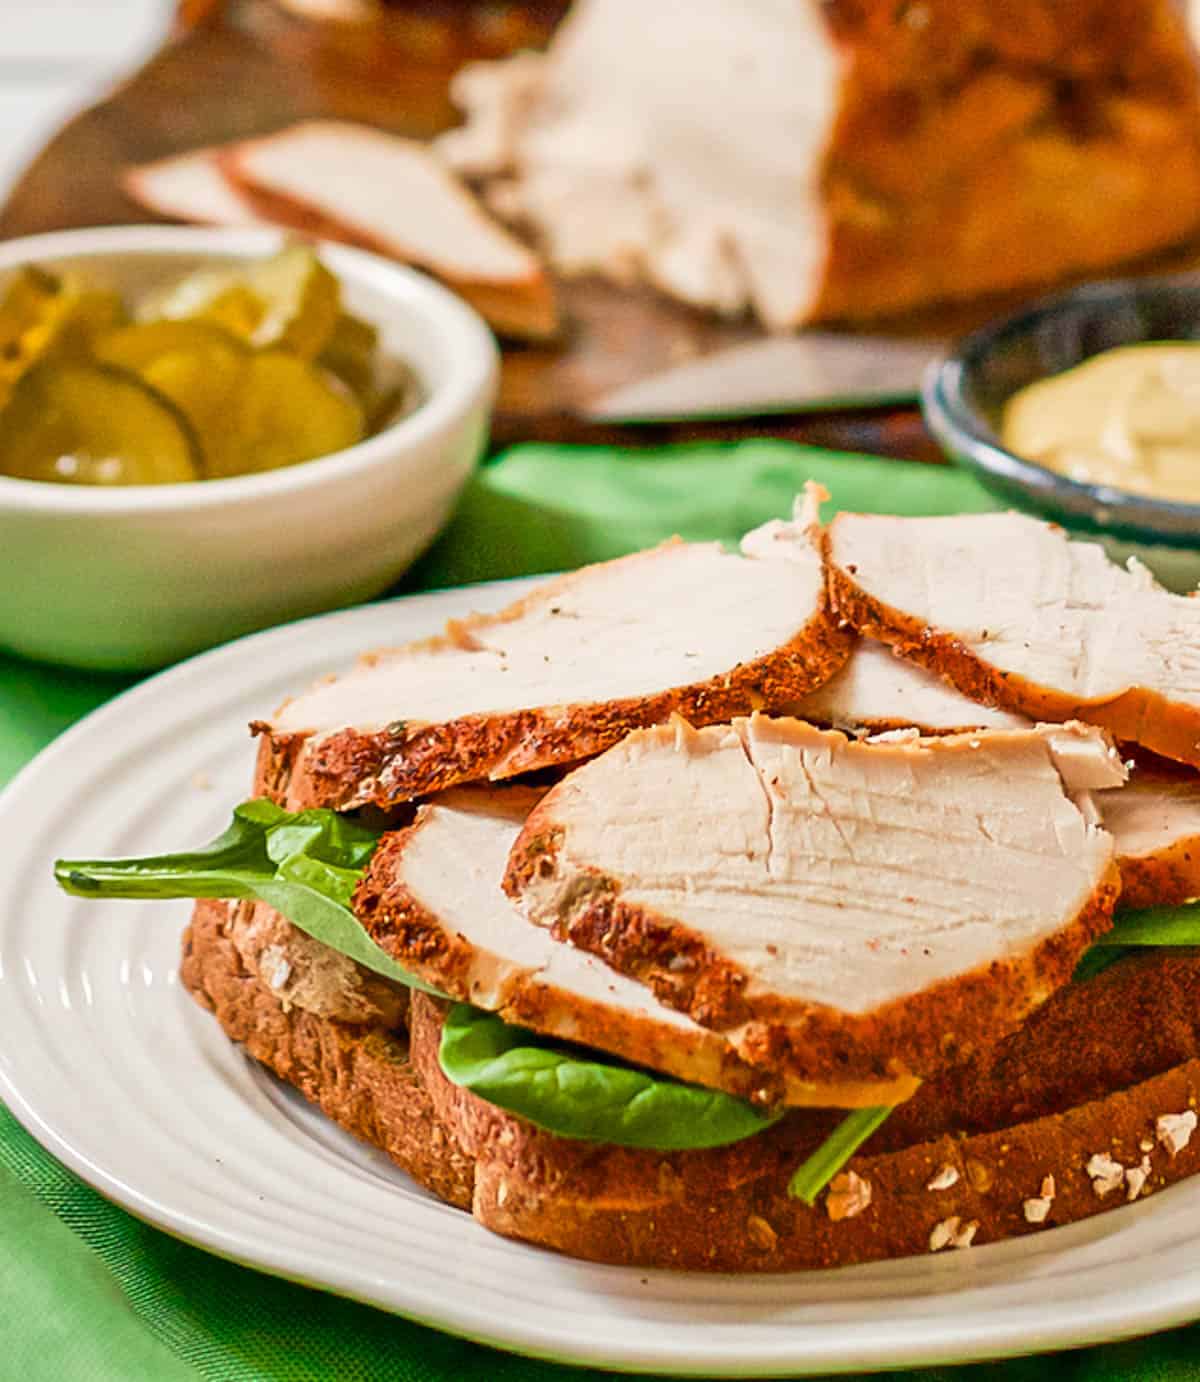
column 713, row 910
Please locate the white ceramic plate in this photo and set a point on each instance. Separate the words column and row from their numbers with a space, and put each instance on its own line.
column 114, row 1069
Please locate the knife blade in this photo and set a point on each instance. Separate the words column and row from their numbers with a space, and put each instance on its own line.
column 818, row 370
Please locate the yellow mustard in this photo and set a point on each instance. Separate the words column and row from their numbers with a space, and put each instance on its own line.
column 1129, row 418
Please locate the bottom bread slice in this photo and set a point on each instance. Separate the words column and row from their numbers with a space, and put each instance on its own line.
column 360, row 1076
column 727, row 1209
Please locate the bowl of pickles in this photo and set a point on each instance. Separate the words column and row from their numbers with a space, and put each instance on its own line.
column 205, row 432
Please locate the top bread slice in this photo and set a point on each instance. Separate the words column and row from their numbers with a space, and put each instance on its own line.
column 1017, row 615
column 832, row 906
column 565, row 672
column 432, row 898
column 395, row 196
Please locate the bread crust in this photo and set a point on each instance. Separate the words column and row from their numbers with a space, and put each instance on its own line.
column 1138, row 715
column 358, row 1076
column 728, row 1209
column 348, row 768
column 919, row 1034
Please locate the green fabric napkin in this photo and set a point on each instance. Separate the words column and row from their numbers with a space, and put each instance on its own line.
column 89, row 1293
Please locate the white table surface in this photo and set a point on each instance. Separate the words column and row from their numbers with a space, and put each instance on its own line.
column 57, row 56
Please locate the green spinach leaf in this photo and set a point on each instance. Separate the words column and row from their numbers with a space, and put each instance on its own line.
column 305, row 864
column 1155, row 926
column 592, row 1099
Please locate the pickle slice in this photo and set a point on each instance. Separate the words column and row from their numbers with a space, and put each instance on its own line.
column 41, row 315
column 290, row 411
column 288, row 302
column 350, row 354
column 205, row 384
column 88, row 424
column 138, row 346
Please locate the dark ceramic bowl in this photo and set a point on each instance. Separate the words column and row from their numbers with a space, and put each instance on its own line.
column 964, row 394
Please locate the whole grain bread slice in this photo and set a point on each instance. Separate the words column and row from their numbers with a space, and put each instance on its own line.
column 565, row 672
column 830, row 905
column 360, row 1076
column 1017, row 615
column 727, row 1209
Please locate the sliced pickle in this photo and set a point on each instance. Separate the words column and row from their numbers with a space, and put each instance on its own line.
column 288, row 302
column 89, row 424
column 205, row 383
column 290, row 411
column 138, row 346
column 41, row 315
column 350, row 354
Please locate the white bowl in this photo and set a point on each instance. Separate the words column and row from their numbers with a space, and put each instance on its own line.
column 135, row 576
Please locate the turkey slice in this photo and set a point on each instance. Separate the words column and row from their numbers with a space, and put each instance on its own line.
column 565, row 672
column 1016, row 614
column 432, row 898
column 831, row 905
column 394, row 196
column 877, row 690
column 191, row 187
column 1155, row 822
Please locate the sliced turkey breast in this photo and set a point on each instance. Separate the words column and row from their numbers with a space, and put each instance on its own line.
column 394, row 196
column 878, row 690
column 191, row 187
column 566, row 671
column 1018, row 615
column 1155, row 822
column 831, row 905
column 432, row 898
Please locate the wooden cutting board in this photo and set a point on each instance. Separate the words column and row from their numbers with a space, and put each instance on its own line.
column 246, row 67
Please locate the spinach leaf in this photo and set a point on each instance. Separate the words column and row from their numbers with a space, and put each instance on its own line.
column 813, row 1175
column 595, row 1100
column 1155, row 926
column 305, row 864
column 1150, row 927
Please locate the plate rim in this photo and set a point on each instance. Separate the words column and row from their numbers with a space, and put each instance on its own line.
column 1129, row 1310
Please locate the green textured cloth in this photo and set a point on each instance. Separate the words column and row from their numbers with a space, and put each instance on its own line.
column 88, row 1293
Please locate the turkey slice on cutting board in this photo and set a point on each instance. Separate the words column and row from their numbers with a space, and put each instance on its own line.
column 831, row 905
column 432, row 898
column 191, row 187
column 565, row 672
column 1017, row 615
column 394, row 196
